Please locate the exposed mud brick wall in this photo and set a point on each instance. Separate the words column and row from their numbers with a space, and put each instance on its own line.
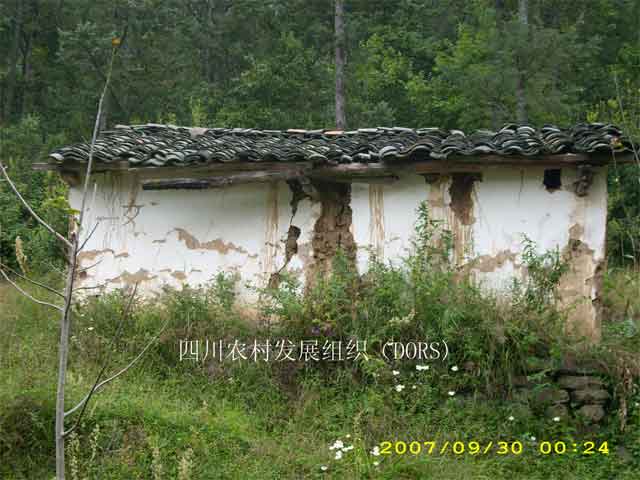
column 461, row 214
column 332, row 230
column 580, row 288
column 461, row 192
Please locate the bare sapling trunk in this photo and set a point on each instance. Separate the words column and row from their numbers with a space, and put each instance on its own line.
column 73, row 247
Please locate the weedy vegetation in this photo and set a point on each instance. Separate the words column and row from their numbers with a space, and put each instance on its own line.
column 244, row 419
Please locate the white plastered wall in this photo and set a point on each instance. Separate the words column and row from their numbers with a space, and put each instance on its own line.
column 176, row 237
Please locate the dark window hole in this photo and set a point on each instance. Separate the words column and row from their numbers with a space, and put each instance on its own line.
column 552, row 179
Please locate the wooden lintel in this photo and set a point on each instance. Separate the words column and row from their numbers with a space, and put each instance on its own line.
column 44, row 167
column 353, row 170
column 221, row 181
column 374, row 180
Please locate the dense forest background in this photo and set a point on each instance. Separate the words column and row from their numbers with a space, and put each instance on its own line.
column 270, row 64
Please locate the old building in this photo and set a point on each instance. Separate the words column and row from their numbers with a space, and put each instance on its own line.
column 175, row 205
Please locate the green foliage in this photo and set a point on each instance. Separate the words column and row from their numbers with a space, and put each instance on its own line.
column 425, row 297
column 272, row 92
column 477, row 74
column 167, row 418
column 544, row 271
column 270, row 65
column 622, row 106
column 622, row 307
column 45, row 192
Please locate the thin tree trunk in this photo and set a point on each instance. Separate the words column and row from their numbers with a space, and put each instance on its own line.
column 63, row 355
column 105, row 114
column 65, row 321
column 12, row 75
column 341, row 121
column 26, row 73
column 521, row 94
column 496, row 118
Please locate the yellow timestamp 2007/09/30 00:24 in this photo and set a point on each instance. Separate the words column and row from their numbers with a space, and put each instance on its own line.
column 515, row 447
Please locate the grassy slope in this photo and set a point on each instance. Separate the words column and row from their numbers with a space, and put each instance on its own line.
column 244, row 422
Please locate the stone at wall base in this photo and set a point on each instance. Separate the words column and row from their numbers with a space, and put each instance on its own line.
column 549, row 396
column 576, row 382
column 571, row 365
column 591, row 413
column 597, row 396
column 559, row 410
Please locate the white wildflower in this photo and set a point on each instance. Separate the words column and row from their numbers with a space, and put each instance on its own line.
column 376, row 451
column 413, row 387
column 338, row 454
column 556, row 419
column 533, row 439
column 399, row 388
column 454, row 368
column 90, row 329
column 337, row 445
column 422, row 367
column 395, row 372
column 348, row 436
column 511, row 418
column 324, row 468
column 451, row 393
column 375, row 464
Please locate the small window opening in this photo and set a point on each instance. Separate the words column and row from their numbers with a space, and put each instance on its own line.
column 552, row 179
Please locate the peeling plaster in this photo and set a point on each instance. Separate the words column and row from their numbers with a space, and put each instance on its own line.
column 491, row 263
column 291, row 249
column 127, row 278
column 91, row 255
column 262, row 229
column 179, row 276
column 217, row 245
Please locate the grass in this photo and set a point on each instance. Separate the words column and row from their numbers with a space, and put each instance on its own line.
column 167, row 419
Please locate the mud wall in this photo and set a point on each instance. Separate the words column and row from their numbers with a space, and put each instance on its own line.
column 260, row 230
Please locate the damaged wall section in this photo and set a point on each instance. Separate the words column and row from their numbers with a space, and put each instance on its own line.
column 332, row 230
column 461, row 215
column 258, row 230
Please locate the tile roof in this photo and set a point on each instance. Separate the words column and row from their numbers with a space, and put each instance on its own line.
column 164, row 145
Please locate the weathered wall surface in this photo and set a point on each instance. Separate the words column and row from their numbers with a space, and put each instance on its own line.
column 181, row 236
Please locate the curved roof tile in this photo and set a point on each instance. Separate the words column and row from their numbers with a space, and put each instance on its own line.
column 164, row 145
